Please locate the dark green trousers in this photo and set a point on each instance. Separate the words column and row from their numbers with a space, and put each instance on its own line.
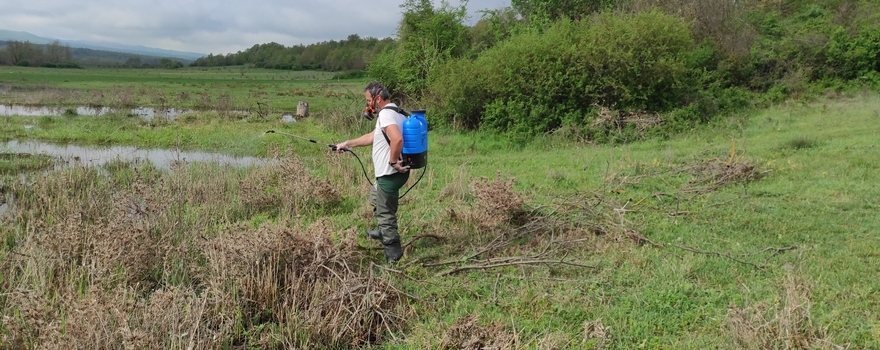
column 384, row 197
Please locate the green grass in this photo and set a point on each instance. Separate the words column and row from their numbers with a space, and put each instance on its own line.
column 238, row 88
column 12, row 163
column 821, row 199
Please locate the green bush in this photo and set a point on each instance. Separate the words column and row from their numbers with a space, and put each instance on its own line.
column 535, row 81
column 854, row 56
column 428, row 37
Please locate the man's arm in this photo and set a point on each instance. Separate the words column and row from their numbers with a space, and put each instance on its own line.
column 364, row 140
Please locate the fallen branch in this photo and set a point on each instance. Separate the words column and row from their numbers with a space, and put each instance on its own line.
column 775, row 251
column 508, row 263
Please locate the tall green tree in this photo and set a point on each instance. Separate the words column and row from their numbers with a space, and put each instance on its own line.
column 427, row 36
column 556, row 9
column 493, row 27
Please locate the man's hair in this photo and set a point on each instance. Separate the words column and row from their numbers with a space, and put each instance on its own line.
column 377, row 89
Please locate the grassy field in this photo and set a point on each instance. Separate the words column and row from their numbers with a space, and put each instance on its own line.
column 218, row 89
column 758, row 231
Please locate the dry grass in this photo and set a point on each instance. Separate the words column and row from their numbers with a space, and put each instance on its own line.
column 468, row 334
column 596, row 334
column 161, row 260
column 287, row 185
column 496, row 204
column 608, row 120
column 784, row 323
column 300, row 279
column 709, row 175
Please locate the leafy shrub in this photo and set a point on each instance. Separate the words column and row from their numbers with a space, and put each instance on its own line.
column 428, row 37
column 853, row 56
column 535, row 81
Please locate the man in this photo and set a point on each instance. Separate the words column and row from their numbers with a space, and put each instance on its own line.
column 391, row 175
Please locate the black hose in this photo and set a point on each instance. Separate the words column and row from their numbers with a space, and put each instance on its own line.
column 416, row 183
column 363, row 168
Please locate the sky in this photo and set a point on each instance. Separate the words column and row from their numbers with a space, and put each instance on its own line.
column 212, row 26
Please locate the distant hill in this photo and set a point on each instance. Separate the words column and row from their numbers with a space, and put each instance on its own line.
column 9, row 35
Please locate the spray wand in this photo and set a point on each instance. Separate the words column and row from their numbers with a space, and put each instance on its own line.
column 332, row 148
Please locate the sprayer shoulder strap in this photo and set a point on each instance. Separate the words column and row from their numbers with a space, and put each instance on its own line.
column 399, row 111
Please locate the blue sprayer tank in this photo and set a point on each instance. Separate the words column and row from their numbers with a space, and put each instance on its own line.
column 415, row 140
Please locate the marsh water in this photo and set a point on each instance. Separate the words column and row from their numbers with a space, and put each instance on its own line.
column 99, row 156
column 147, row 113
column 71, row 155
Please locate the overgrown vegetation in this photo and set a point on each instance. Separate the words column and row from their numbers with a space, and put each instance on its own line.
column 754, row 229
column 709, row 240
column 554, row 65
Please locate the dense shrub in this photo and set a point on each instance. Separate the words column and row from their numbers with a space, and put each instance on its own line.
column 536, row 81
column 854, row 56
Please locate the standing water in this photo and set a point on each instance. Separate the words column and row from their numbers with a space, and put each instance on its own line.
column 146, row 113
column 93, row 156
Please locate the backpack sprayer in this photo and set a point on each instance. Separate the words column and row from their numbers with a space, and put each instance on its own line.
column 415, row 142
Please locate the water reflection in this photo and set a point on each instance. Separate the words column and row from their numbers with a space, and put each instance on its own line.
column 147, row 113
column 92, row 156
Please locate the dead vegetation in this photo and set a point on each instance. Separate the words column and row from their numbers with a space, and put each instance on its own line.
column 467, row 334
column 608, row 120
column 301, row 279
column 287, row 185
column 710, row 175
column 505, row 233
column 135, row 259
column 784, row 323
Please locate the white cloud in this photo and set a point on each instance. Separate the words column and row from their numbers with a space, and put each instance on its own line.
column 217, row 27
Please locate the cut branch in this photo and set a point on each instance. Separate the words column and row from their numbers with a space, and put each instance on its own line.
column 510, row 262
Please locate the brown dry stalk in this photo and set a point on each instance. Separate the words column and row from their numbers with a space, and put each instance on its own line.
column 157, row 261
column 784, row 322
column 467, row 334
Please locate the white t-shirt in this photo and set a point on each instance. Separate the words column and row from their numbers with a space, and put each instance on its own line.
column 381, row 148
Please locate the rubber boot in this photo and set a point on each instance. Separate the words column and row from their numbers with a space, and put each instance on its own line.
column 393, row 252
column 374, row 234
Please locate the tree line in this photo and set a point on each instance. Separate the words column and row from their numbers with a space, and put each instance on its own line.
column 57, row 55
column 350, row 54
column 25, row 53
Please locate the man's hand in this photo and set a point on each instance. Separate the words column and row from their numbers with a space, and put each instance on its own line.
column 342, row 147
column 399, row 167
